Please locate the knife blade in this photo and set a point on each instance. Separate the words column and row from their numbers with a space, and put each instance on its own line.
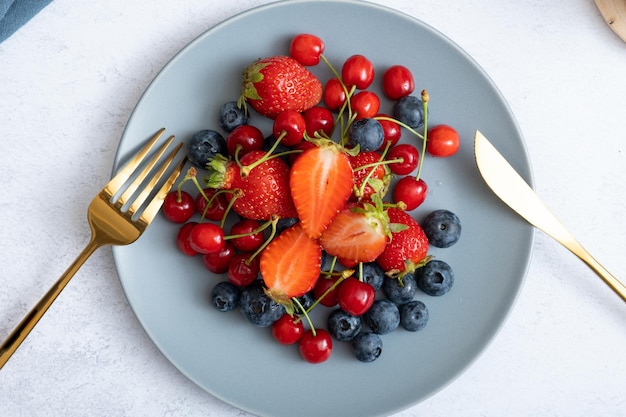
column 514, row 191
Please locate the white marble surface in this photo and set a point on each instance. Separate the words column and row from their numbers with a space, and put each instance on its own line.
column 68, row 82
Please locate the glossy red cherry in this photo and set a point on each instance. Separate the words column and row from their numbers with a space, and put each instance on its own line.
column 316, row 347
column 410, row 158
column 319, row 118
column 287, row 330
column 398, row 82
column 218, row 262
column 306, row 49
column 182, row 239
column 334, row 94
column 207, row 238
column 218, row 206
column 241, row 271
column 321, row 286
column 411, row 191
column 178, row 206
column 290, row 126
column 355, row 297
column 443, row 141
column 365, row 104
column 357, row 70
column 391, row 130
column 251, row 241
column 249, row 137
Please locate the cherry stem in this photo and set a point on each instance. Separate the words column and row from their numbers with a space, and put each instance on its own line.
column 425, row 100
column 272, row 222
column 211, row 200
column 236, row 194
column 344, row 275
column 245, row 169
column 305, row 314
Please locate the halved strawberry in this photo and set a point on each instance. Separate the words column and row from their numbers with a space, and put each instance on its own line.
column 264, row 190
column 359, row 234
column 408, row 248
column 290, row 264
column 320, row 181
column 275, row 84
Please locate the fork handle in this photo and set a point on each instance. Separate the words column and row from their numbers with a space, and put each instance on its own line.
column 17, row 336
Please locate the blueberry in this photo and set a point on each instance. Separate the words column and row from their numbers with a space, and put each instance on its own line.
column 306, row 300
column 285, row 223
column 410, row 111
column 204, row 145
column 232, row 116
column 367, row 133
column 374, row 275
column 367, row 346
column 443, row 228
column 225, row 296
column 343, row 326
column 413, row 315
column 327, row 262
column 258, row 307
column 435, row 278
column 400, row 291
column 383, row 317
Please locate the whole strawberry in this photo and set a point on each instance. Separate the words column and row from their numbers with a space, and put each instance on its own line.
column 408, row 248
column 263, row 189
column 275, row 84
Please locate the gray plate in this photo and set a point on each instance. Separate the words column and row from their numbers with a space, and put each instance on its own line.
column 242, row 365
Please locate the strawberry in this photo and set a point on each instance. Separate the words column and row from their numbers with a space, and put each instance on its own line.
column 407, row 249
column 320, row 182
column 264, row 190
column 275, row 84
column 369, row 179
column 357, row 234
column 290, row 264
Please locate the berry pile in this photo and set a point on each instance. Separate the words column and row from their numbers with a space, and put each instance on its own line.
column 311, row 222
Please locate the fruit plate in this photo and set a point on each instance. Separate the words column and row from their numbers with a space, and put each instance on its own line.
column 241, row 364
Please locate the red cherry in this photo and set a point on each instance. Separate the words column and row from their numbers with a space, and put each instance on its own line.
column 411, row 191
column 316, row 347
column 319, row 118
column 357, row 70
column 182, row 239
column 241, row 271
column 355, row 297
column 178, row 206
column 365, row 104
column 249, row 137
column 218, row 262
column 291, row 126
column 217, row 208
column 252, row 241
column 286, row 331
column 391, row 130
column 398, row 82
column 443, row 141
column 207, row 238
column 410, row 156
column 334, row 94
column 321, row 286
column 306, row 49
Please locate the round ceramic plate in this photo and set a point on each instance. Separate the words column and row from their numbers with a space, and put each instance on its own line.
column 241, row 364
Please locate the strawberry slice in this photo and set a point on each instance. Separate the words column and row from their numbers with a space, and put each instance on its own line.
column 321, row 182
column 290, row 264
column 357, row 234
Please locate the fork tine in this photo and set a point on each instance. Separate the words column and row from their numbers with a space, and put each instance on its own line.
column 155, row 204
column 134, row 186
column 124, row 174
column 147, row 189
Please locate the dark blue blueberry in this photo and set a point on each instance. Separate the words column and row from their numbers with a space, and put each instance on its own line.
column 343, row 326
column 400, row 291
column 280, row 149
column 285, row 223
column 410, row 111
column 443, row 228
column 306, row 301
column 435, row 278
column 374, row 275
column 204, row 145
column 383, row 317
column 413, row 315
column 367, row 133
column 232, row 116
column 225, row 296
column 367, row 346
column 258, row 307
column 327, row 262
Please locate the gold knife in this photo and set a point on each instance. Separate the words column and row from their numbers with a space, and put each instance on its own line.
column 511, row 188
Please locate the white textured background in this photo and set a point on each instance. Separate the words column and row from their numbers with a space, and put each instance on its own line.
column 68, row 82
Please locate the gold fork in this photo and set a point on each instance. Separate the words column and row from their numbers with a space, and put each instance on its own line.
column 112, row 221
